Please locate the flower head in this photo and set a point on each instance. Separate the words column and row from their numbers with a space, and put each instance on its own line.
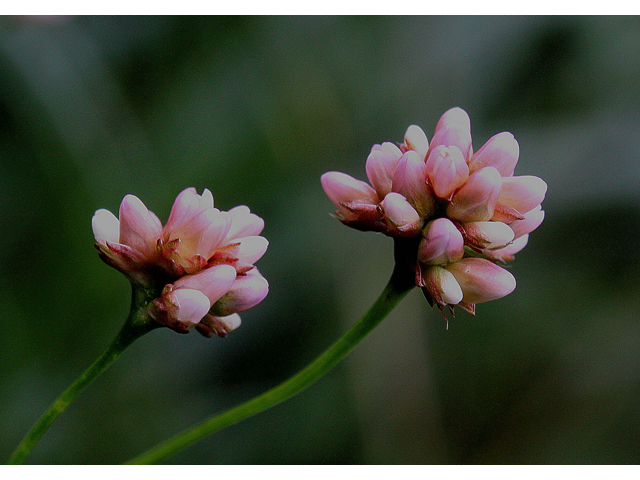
column 466, row 212
column 198, row 267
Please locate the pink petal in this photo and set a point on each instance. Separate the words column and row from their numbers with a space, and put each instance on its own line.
column 453, row 134
column 213, row 282
column 454, row 115
column 191, row 305
column 410, row 180
column 380, row 166
column 522, row 193
column 415, row 139
column 501, row 152
column 247, row 291
column 401, row 217
column 342, row 188
column 442, row 243
column 475, row 201
column 243, row 223
column 447, row 170
column 481, row 280
column 139, row 228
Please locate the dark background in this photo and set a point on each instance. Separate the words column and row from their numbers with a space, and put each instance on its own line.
column 256, row 109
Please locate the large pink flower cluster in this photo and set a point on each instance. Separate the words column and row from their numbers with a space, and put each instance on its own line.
column 465, row 210
column 200, row 262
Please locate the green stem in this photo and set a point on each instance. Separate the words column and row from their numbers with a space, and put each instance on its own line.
column 398, row 286
column 137, row 324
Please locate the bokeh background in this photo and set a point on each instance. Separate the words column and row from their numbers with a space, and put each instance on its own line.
column 256, row 109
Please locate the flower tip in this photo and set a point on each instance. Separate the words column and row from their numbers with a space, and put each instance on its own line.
column 105, row 226
column 415, row 139
column 454, row 115
column 380, row 165
column 231, row 322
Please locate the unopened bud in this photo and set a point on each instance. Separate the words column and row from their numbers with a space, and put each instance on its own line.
column 453, row 134
column 447, row 170
column 481, row 280
column 454, row 115
column 475, row 201
column 190, row 305
column 440, row 286
column 501, row 152
column 522, row 193
column 490, row 235
column 247, row 291
column 415, row 139
column 410, row 180
column 442, row 243
column 343, row 189
column 402, row 219
column 380, row 166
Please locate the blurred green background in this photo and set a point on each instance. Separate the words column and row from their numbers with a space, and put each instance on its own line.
column 256, row 109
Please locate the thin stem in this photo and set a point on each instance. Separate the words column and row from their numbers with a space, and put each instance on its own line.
column 137, row 324
column 398, row 286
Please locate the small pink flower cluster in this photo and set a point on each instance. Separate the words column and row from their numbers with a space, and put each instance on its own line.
column 200, row 262
column 465, row 210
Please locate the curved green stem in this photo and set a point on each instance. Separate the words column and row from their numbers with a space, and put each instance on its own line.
column 398, row 286
column 137, row 324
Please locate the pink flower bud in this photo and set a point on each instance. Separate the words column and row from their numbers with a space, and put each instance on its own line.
column 415, row 139
column 440, row 286
column 481, row 280
column 522, row 193
column 247, row 291
column 106, row 227
column 490, row 235
column 190, row 306
column 501, row 152
column 447, row 170
column 475, row 201
column 442, row 243
column 454, row 115
column 402, row 219
column 410, row 180
column 453, row 134
column 140, row 229
column 380, row 166
column 344, row 190
column 213, row 282
column 532, row 220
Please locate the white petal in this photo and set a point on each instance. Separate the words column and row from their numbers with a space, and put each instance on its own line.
column 106, row 227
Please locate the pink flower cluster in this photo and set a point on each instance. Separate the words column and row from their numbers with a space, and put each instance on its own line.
column 200, row 263
column 466, row 211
